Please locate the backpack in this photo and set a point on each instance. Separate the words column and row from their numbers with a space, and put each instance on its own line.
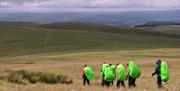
column 103, row 67
column 134, row 70
column 164, row 71
column 89, row 73
column 109, row 74
column 113, row 67
column 121, row 72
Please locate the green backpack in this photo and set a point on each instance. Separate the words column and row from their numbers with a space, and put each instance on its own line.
column 121, row 72
column 164, row 71
column 103, row 67
column 89, row 73
column 113, row 67
column 109, row 74
column 134, row 70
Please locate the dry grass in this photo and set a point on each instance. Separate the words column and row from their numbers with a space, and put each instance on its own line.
column 72, row 68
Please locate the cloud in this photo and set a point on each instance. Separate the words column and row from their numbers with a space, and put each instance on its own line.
column 25, row 5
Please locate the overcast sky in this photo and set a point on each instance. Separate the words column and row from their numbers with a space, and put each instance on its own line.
column 63, row 5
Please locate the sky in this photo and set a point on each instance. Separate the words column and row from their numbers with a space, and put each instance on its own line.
column 65, row 5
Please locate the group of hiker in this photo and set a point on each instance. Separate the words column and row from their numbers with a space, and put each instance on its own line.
column 121, row 73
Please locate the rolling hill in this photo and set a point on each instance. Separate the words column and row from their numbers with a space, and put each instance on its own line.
column 157, row 23
column 22, row 38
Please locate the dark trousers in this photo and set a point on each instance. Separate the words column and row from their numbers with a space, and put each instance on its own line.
column 102, row 83
column 107, row 83
column 111, row 83
column 159, row 81
column 131, row 82
column 120, row 83
column 85, row 80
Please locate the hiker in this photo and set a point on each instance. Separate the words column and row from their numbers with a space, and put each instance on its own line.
column 108, row 76
column 87, row 74
column 104, row 65
column 162, row 72
column 133, row 72
column 120, row 75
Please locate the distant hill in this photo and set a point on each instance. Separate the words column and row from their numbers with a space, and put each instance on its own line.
column 116, row 18
column 85, row 27
column 157, row 23
column 4, row 23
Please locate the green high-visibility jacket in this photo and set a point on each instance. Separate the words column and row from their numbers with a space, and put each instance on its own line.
column 121, row 72
column 134, row 70
column 89, row 73
column 164, row 71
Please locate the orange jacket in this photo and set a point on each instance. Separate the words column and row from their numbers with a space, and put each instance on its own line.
column 83, row 73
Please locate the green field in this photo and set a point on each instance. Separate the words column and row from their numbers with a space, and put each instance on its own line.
column 27, row 39
column 68, row 47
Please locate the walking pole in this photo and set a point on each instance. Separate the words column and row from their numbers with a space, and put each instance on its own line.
column 154, row 79
column 168, row 86
column 156, row 84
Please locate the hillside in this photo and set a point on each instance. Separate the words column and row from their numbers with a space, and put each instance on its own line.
column 157, row 23
column 22, row 38
column 165, row 27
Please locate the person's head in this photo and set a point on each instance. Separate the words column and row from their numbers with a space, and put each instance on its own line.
column 85, row 65
column 117, row 64
column 158, row 62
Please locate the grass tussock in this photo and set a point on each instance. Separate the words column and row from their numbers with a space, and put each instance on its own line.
column 24, row 77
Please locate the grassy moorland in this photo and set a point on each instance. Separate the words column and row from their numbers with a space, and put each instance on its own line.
column 64, row 48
